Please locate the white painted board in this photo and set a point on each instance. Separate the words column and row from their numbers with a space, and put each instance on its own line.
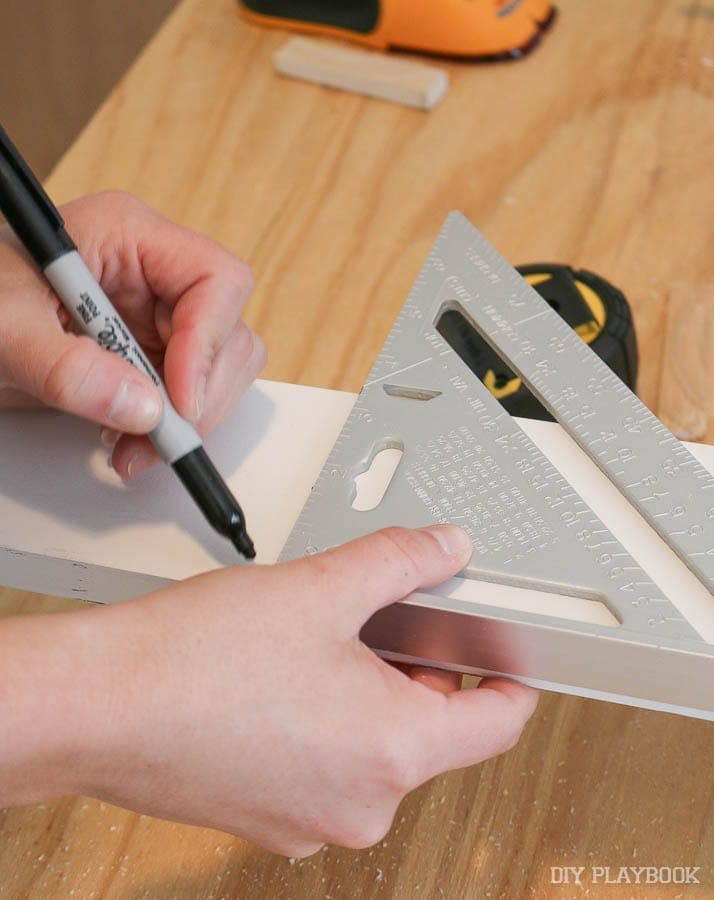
column 69, row 526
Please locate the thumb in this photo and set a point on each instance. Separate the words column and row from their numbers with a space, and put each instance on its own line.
column 382, row 568
column 74, row 374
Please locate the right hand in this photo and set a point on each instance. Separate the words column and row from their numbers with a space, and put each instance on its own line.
column 244, row 700
column 180, row 294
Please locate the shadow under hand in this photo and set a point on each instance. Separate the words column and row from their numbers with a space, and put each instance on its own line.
column 53, row 463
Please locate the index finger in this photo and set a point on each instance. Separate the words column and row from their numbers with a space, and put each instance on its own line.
column 143, row 257
column 205, row 286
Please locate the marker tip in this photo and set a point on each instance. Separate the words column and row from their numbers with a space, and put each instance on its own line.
column 243, row 544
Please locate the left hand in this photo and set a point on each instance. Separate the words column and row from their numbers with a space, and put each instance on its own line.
column 244, row 699
column 179, row 292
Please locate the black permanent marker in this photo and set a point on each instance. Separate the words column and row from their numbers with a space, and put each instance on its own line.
column 40, row 227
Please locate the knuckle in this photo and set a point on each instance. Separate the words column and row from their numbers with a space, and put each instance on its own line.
column 233, row 270
column 363, row 833
column 401, row 547
column 120, row 201
column 300, row 849
column 245, row 340
column 313, row 573
column 243, row 275
column 521, row 707
column 304, row 583
column 120, row 212
column 250, row 349
column 511, row 734
column 67, row 374
column 259, row 352
column 118, row 206
column 397, row 767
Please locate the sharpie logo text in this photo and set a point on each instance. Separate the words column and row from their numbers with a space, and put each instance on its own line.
column 111, row 341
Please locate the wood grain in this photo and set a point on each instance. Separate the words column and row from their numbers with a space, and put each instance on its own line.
column 595, row 150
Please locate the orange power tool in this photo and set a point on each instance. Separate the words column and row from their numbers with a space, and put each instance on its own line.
column 474, row 29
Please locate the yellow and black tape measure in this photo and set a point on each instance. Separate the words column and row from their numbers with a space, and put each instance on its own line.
column 594, row 308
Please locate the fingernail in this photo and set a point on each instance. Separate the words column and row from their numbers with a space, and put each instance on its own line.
column 139, row 462
column 136, row 407
column 454, row 541
column 109, row 437
column 200, row 397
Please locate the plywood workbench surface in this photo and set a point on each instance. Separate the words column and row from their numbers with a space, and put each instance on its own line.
column 596, row 150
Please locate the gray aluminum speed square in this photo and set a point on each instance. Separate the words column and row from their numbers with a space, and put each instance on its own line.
column 466, row 461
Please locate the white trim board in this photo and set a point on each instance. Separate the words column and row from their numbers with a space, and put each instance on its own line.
column 61, row 504
column 70, row 527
